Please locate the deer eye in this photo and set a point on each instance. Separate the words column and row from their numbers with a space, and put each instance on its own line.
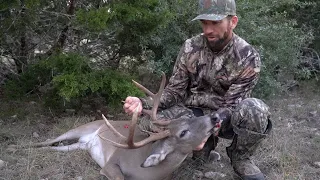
column 183, row 133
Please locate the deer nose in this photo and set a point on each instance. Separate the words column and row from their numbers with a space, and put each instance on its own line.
column 215, row 118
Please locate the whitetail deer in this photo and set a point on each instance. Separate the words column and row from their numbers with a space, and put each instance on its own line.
column 153, row 157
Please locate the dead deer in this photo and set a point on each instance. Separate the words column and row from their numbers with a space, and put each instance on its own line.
column 128, row 153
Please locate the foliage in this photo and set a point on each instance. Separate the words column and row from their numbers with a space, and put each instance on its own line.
column 168, row 38
column 267, row 26
column 308, row 14
column 71, row 77
column 119, row 28
column 94, row 20
column 146, row 33
column 74, row 78
column 276, row 36
column 27, row 82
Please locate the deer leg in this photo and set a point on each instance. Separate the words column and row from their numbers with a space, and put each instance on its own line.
column 112, row 171
column 75, row 133
column 66, row 136
column 67, row 148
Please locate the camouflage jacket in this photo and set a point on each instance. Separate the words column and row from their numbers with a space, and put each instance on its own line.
column 208, row 80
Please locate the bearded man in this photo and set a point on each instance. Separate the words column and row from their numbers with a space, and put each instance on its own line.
column 215, row 73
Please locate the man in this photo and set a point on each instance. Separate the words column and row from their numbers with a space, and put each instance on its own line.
column 215, row 72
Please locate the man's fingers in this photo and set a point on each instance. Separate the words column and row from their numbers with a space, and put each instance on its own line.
column 133, row 106
column 129, row 100
column 126, row 105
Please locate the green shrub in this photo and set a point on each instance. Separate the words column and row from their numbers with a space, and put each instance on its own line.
column 28, row 82
column 112, row 85
column 71, row 78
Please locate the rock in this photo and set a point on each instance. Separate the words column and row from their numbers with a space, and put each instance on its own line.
column 11, row 149
column 214, row 175
column 2, row 164
column 14, row 116
column 79, row 178
column 197, row 175
column 214, row 156
column 317, row 164
column 35, row 135
column 221, row 165
column 313, row 113
column 294, row 106
column 71, row 111
column 110, row 116
column 32, row 102
column 86, row 106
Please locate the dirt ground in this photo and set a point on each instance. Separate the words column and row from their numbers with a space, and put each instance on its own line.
column 291, row 152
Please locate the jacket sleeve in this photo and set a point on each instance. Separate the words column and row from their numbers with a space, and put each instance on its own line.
column 244, row 84
column 175, row 91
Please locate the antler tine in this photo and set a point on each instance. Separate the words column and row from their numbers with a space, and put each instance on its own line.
column 130, row 143
column 132, row 128
column 153, row 136
column 144, row 89
column 113, row 129
column 156, row 97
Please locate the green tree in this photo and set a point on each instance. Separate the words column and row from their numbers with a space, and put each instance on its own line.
column 104, row 31
column 131, row 33
column 264, row 24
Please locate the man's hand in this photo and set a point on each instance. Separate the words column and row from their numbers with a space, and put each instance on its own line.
column 132, row 104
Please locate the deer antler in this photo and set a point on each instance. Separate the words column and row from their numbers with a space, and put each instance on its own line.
column 156, row 97
column 153, row 136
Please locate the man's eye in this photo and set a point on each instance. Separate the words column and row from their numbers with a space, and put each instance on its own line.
column 183, row 133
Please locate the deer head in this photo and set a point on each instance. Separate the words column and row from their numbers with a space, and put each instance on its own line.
column 185, row 136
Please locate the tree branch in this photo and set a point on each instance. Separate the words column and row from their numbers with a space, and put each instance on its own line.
column 63, row 35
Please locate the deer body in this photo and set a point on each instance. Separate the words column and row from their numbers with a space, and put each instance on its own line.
column 138, row 157
column 127, row 164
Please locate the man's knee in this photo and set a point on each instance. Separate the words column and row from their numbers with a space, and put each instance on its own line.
column 251, row 114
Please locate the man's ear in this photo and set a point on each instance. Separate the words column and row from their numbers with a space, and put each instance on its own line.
column 160, row 151
column 234, row 22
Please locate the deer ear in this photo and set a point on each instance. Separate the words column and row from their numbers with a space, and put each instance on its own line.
column 159, row 153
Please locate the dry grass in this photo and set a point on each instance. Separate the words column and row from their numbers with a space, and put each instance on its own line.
column 288, row 153
column 43, row 164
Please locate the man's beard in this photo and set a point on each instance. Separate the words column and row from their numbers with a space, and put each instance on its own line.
column 219, row 43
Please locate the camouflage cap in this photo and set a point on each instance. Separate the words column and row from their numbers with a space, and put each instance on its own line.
column 215, row 10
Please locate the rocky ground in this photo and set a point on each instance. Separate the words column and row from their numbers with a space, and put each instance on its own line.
column 290, row 152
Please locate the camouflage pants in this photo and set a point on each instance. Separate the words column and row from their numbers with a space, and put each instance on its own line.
column 248, row 126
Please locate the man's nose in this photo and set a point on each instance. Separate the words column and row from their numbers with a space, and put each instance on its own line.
column 208, row 29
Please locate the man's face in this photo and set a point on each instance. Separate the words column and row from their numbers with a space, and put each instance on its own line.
column 218, row 33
